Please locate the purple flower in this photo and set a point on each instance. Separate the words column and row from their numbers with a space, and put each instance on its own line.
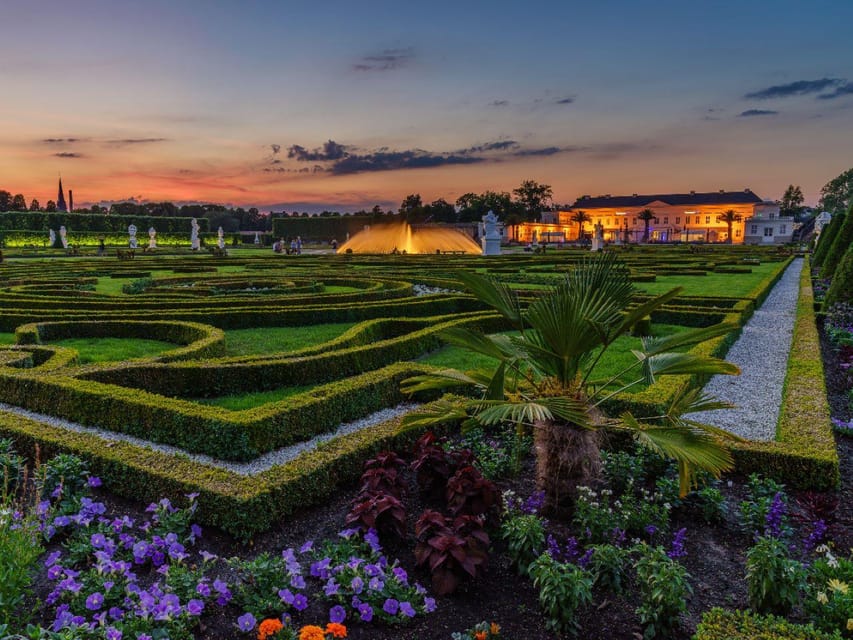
column 195, row 532
column 407, row 610
column 52, row 558
column 775, row 515
column 401, row 575
column 676, row 550
column 331, row 588
column 816, row 537
column 346, row 534
column 585, row 558
column 94, row 482
column 534, row 503
column 357, row 585
column 195, row 607
column 391, row 606
column 365, row 611
column 219, row 586
column 337, row 614
column 97, row 540
column 95, row 601
column 429, row 605
column 286, row 596
column 206, row 556
column 372, row 540
column 308, row 546
column 54, row 572
column 375, row 584
column 297, row 582
column 115, row 613
column 246, row 622
column 650, row 530
column 203, row 589
column 300, row 602
column 113, row 634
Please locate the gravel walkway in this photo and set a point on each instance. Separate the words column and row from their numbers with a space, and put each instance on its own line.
column 258, row 465
column 761, row 352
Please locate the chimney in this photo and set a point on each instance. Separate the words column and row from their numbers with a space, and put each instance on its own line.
column 70, row 200
column 722, row 190
column 692, row 193
column 636, row 195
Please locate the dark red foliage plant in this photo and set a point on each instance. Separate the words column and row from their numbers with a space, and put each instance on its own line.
column 383, row 474
column 434, row 466
column 469, row 493
column 452, row 549
column 382, row 512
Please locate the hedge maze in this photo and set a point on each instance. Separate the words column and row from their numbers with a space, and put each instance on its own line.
column 151, row 426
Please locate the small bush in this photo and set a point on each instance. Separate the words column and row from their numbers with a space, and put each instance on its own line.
column 525, row 538
column 774, row 579
column 563, row 590
column 664, row 589
column 719, row 624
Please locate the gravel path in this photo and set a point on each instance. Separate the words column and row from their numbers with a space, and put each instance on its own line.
column 258, row 465
column 761, row 352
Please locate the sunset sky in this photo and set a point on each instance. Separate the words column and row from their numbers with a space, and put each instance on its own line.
column 343, row 105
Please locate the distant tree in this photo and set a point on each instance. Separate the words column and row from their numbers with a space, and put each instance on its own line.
column 581, row 218
column 412, row 208
column 441, row 211
column 19, row 203
column 837, row 194
column 534, row 197
column 96, row 209
column 50, row 207
column 792, row 202
column 646, row 215
column 5, row 200
column 377, row 211
column 34, row 205
column 730, row 217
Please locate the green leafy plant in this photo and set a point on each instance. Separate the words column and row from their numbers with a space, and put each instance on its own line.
column 622, row 470
column 711, row 503
column 607, row 564
column 65, row 476
column 774, row 579
column 544, row 377
column 664, row 589
column 11, row 468
column 829, row 594
column 525, row 538
column 480, row 631
column 20, row 547
column 563, row 590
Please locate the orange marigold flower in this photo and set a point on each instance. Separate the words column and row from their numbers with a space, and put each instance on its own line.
column 311, row 632
column 494, row 628
column 269, row 627
column 480, row 635
column 336, row 629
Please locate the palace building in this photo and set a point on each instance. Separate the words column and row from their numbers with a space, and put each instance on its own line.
column 675, row 217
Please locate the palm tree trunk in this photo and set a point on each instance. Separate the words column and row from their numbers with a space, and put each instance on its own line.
column 566, row 458
column 730, row 233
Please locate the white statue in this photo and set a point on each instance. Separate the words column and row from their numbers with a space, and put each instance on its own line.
column 194, row 241
column 52, row 238
column 62, row 237
column 491, row 239
column 220, row 238
column 598, row 237
column 152, row 238
column 131, row 231
column 257, row 238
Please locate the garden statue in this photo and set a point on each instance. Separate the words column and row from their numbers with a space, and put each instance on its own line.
column 220, row 238
column 131, row 231
column 52, row 238
column 194, row 241
column 491, row 239
column 63, row 237
column 257, row 238
column 598, row 237
column 152, row 238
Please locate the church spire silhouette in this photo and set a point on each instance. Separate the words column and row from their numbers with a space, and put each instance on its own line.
column 60, row 200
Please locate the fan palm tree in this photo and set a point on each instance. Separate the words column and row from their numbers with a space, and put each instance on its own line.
column 580, row 217
column 646, row 215
column 729, row 217
column 543, row 378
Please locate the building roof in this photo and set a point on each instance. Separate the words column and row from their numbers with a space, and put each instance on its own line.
column 688, row 199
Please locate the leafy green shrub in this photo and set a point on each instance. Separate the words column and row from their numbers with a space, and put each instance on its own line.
column 137, row 286
column 754, row 510
column 622, row 470
column 607, row 564
column 20, row 546
column 774, row 579
column 11, row 467
column 497, row 455
column 711, row 503
column 840, row 243
column 65, row 477
column 829, row 595
column 563, row 589
column 664, row 589
column 719, row 624
column 525, row 538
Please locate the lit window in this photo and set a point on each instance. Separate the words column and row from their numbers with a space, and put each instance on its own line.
column 707, row 219
column 678, row 221
column 634, row 222
column 737, row 233
column 665, row 220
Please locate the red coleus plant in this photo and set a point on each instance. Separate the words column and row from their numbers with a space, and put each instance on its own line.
column 469, row 493
column 434, row 466
column 452, row 549
column 383, row 474
column 380, row 511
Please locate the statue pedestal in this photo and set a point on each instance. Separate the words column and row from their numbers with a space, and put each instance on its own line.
column 491, row 246
column 597, row 244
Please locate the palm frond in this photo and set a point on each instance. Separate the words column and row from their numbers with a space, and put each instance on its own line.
column 676, row 363
column 494, row 413
column 638, row 313
column 438, row 412
column 497, row 295
column 474, row 341
column 654, row 345
column 569, row 410
column 437, row 380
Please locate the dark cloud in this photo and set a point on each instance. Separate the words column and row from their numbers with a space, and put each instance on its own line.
column 565, row 101
column 499, row 103
column 63, row 140
column 843, row 90
column 331, row 150
column 120, row 142
column 757, row 112
column 66, row 154
column 275, row 148
column 500, row 145
column 384, row 160
column 545, row 151
column 798, row 88
column 386, row 60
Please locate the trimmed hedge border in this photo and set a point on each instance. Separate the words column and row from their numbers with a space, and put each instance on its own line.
column 720, row 624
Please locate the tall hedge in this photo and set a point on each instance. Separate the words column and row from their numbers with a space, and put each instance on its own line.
column 841, row 289
column 42, row 221
column 839, row 246
column 326, row 228
column 825, row 239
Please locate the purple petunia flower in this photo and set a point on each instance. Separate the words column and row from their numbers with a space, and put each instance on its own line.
column 94, row 482
column 195, row 607
column 331, row 588
column 429, row 605
column 246, row 622
column 407, row 610
column 115, row 613
column 391, row 606
column 95, row 601
column 308, row 546
column 372, row 540
column 113, row 634
column 297, row 582
column 357, row 585
column 300, row 602
column 286, row 596
column 401, row 575
column 337, row 614
column 365, row 612
column 52, row 559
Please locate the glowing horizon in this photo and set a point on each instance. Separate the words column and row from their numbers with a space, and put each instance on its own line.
column 308, row 108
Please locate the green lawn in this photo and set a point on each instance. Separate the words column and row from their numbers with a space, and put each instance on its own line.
column 7, row 338
column 617, row 358
column 726, row 285
column 267, row 340
column 112, row 286
column 252, row 400
column 92, row 350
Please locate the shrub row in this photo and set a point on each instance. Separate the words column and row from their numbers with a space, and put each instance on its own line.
column 42, row 221
column 719, row 624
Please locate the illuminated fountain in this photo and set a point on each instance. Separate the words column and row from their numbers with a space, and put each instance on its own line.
column 401, row 238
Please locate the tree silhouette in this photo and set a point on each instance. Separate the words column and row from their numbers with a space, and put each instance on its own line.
column 646, row 215
column 729, row 217
column 580, row 217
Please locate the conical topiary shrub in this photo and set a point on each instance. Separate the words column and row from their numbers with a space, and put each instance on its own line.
column 841, row 289
column 839, row 246
column 824, row 241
